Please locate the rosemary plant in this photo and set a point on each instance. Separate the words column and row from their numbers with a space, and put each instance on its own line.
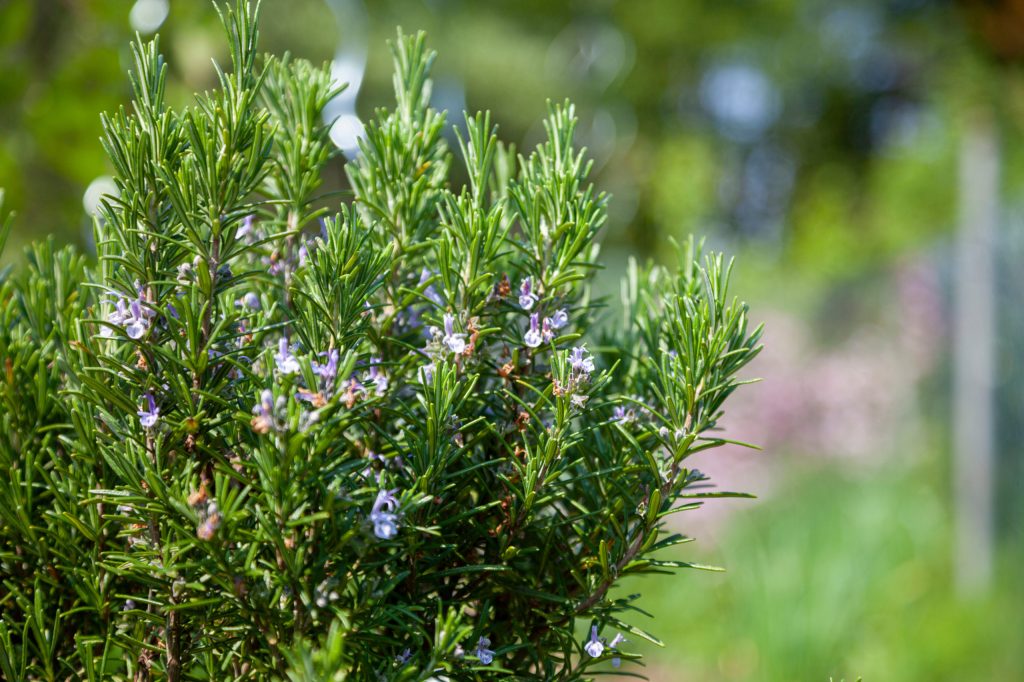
column 251, row 440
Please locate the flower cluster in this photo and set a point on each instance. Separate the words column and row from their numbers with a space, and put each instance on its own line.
column 134, row 316
column 544, row 331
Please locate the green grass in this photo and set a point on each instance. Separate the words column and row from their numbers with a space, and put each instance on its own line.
column 834, row 577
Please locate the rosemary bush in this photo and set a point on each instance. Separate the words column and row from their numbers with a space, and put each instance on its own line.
column 250, row 440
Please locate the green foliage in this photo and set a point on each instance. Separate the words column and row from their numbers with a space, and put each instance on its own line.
column 837, row 584
column 252, row 452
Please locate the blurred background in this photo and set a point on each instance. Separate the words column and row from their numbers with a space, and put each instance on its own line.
column 863, row 161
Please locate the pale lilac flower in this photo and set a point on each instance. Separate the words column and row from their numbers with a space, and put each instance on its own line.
column 316, row 399
column 623, row 415
column 426, row 373
column 595, row 647
column 120, row 313
column 383, row 517
column 485, row 655
column 385, row 525
column 559, row 319
column 377, row 377
column 250, row 301
column 149, row 418
column 266, row 404
column 546, row 332
column 430, row 292
column 355, row 388
column 386, row 499
column 134, row 317
column 403, row 657
column 456, row 343
column 263, row 413
column 526, row 296
column 582, row 362
column 329, row 370
column 276, row 264
column 286, row 362
column 245, row 229
column 616, row 640
column 138, row 324
column 532, row 337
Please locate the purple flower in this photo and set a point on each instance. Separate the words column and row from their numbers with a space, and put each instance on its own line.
column 546, row 332
column 250, row 301
column 316, row 399
column 623, row 415
column 132, row 316
column 138, row 324
column 385, row 525
column 245, row 229
column 456, row 343
column 263, row 413
column 377, row 377
column 329, row 370
column 354, row 390
column 526, row 297
column 582, row 362
column 383, row 517
column 485, row 655
column 430, row 292
column 616, row 640
column 426, row 373
column 286, row 362
column 386, row 500
column 595, row 647
column 404, row 657
column 559, row 319
column 149, row 418
column 120, row 313
column 276, row 263
column 532, row 337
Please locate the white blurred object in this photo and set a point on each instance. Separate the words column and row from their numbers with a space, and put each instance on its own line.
column 346, row 131
column 974, row 361
column 146, row 16
column 94, row 193
column 741, row 98
column 348, row 67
